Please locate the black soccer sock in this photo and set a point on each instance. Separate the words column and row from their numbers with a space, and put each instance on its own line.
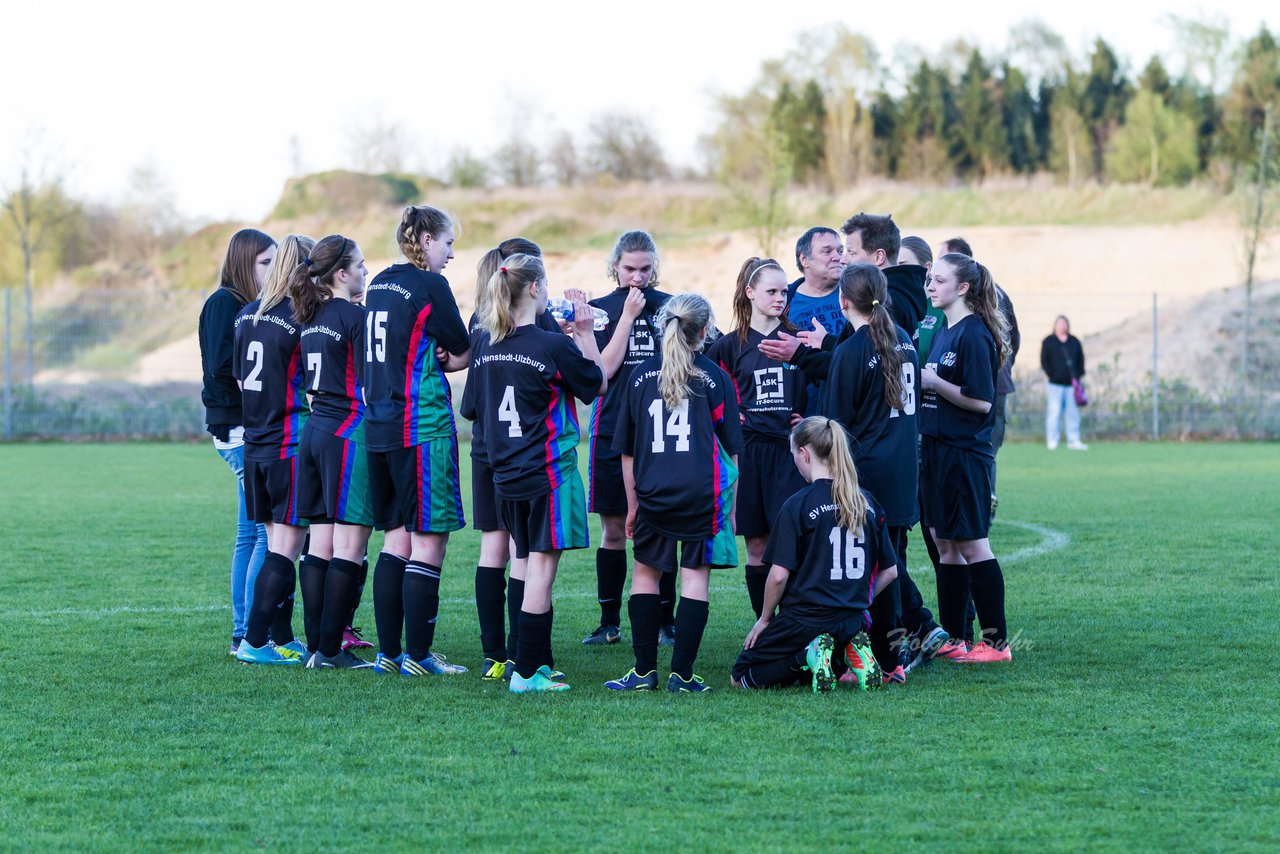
column 781, row 673
column 515, row 601
column 355, row 600
column 987, row 585
column 691, row 620
column 953, row 592
column 611, row 577
column 282, row 622
column 970, row 611
column 549, row 657
column 930, row 546
column 388, row 602
column 421, row 606
column 885, row 612
column 311, row 579
column 535, row 636
column 645, row 610
column 340, row 585
column 667, row 597
column 757, row 574
column 491, row 594
column 273, row 586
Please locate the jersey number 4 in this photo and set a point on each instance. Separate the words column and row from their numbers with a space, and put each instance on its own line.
column 908, row 391
column 507, row 412
column 848, row 557
column 677, row 425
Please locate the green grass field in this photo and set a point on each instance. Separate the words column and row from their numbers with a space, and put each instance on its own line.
column 1140, row 711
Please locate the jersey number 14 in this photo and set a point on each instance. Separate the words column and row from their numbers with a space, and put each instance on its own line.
column 677, row 426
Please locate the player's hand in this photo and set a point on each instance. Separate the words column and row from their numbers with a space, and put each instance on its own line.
column 630, row 524
column 742, row 417
column 575, row 295
column 754, row 634
column 782, row 349
column 584, row 317
column 813, row 337
column 796, row 418
column 633, row 305
column 928, row 378
column 442, row 356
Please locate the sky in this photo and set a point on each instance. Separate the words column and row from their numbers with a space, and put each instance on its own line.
column 224, row 101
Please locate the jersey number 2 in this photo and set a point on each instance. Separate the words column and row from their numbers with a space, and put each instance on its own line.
column 850, row 561
column 254, row 354
column 507, row 412
column 677, row 426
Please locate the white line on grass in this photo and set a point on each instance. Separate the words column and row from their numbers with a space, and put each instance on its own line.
column 1051, row 541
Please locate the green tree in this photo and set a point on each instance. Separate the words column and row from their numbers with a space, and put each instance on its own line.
column 886, row 132
column 1070, row 142
column 1156, row 144
column 928, row 115
column 1018, row 118
column 1256, row 84
column 1155, row 79
column 800, row 122
column 978, row 144
column 1105, row 94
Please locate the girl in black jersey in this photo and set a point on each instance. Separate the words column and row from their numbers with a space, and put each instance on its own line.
column 957, row 458
column 679, row 436
column 521, row 389
column 627, row 341
column 333, row 472
column 414, row 336
column 492, row 589
column 873, row 385
column 772, row 396
column 249, row 256
column 268, row 366
column 830, row 556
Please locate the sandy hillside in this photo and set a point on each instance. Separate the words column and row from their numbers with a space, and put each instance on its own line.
column 1099, row 277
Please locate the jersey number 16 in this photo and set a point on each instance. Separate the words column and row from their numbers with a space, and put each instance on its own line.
column 848, row 557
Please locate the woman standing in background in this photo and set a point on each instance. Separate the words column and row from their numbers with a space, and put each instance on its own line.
column 1062, row 359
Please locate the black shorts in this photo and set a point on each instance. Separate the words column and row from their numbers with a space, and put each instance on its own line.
column 606, row 493
column 333, row 479
column 767, row 477
column 787, row 635
column 553, row 522
column 657, row 550
column 417, row 487
column 955, row 491
column 484, row 498
column 271, row 491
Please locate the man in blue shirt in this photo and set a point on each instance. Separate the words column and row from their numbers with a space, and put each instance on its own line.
column 814, row 295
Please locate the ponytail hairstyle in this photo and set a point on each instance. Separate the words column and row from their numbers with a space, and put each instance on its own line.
column 867, row 290
column 826, row 439
column 237, row 267
column 417, row 221
column 492, row 260
column 981, row 299
column 508, row 289
column 632, row 241
column 311, row 282
column 742, row 303
column 918, row 247
column 276, row 287
column 682, row 320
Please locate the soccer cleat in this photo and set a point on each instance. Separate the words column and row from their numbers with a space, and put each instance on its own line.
column 818, row 656
column 351, row 639
column 952, row 650
column 385, row 664
column 508, row 669
column 1077, row 446
column 928, row 649
column 269, row 654
column 344, row 660
column 298, row 647
column 539, row 683
column 634, row 681
column 603, row 635
column 862, row 664
column 667, row 635
column 235, row 646
column 493, row 670
column 898, row 676
column 694, row 685
column 433, row 665
column 985, row 653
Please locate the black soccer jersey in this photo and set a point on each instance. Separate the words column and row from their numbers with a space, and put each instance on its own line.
column 408, row 314
column 268, row 364
column 333, row 356
column 833, row 570
column 966, row 355
column 883, row 439
column 681, row 458
column 768, row 391
column 642, row 344
column 521, row 390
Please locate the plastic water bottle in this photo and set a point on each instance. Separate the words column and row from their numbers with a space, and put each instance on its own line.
column 562, row 309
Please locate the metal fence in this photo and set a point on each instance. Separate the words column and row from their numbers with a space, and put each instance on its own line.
column 125, row 364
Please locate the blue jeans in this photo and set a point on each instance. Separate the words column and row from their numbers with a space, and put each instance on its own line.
column 1060, row 401
column 250, row 550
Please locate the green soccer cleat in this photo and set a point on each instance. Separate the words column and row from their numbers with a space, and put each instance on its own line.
column 539, row 683
column 633, row 681
column 695, row 685
column 818, row 656
column 493, row 670
column 862, row 664
column 269, row 654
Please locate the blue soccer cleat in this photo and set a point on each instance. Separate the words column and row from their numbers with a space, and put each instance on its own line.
column 269, row 654
column 433, row 665
column 539, row 683
column 634, row 681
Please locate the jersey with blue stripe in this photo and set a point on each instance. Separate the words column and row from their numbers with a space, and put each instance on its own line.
column 268, row 363
column 333, row 357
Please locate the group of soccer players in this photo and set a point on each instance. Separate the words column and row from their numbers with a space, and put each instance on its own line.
column 820, row 446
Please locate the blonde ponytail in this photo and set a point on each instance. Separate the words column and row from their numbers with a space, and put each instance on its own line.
column 681, row 321
column 826, row 439
column 293, row 250
column 506, row 292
